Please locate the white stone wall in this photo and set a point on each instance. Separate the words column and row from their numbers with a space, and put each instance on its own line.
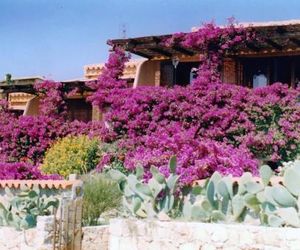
column 95, row 238
column 38, row 238
column 159, row 235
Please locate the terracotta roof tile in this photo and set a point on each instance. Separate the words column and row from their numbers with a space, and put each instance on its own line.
column 51, row 184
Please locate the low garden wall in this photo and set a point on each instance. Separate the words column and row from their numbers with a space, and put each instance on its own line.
column 95, row 238
column 143, row 234
column 38, row 238
column 60, row 230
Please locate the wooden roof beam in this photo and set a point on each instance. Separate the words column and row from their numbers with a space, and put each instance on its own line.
column 281, row 29
column 161, row 51
column 139, row 53
column 184, row 51
column 295, row 41
column 274, row 44
column 252, row 46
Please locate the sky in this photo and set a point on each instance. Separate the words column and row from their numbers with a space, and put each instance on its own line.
column 56, row 38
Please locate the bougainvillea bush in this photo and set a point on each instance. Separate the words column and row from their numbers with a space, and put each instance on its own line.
column 213, row 127
column 209, row 125
column 25, row 139
column 23, row 171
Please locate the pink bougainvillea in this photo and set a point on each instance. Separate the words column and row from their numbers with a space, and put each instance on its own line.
column 25, row 139
column 52, row 103
column 23, row 171
column 213, row 42
column 109, row 83
column 209, row 125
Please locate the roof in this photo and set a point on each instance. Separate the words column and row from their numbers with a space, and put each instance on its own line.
column 23, row 80
column 27, row 87
column 279, row 37
column 51, row 184
column 263, row 24
column 271, row 23
column 92, row 71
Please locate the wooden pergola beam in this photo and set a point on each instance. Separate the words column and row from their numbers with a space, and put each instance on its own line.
column 295, row 41
column 252, row 46
column 274, row 44
column 183, row 50
column 139, row 53
column 161, row 51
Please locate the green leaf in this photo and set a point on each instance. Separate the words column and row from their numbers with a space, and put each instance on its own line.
column 137, row 202
column 155, row 187
column 206, row 206
column 268, row 207
column 52, row 203
column 275, row 221
column 229, row 184
column 253, row 187
column 291, row 180
column 187, row 210
column 238, row 206
column 217, row 216
column 144, row 189
column 157, row 175
column 243, row 180
column 265, row 173
column 173, row 164
column 116, row 175
column 210, row 193
column 252, row 202
column 283, row 197
column 222, row 189
column 216, row 177
column 197, row 213
column 172, row 182
column 267, row 196
column 196, row 190
column 139, row 172
column 29, row 221
column 132, row 181
column 225, row 205
column 289, row 215
column 167, row 203
column 127, row 191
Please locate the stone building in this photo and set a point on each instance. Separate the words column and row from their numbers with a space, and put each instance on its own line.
column 17, row 93
column 23, row 100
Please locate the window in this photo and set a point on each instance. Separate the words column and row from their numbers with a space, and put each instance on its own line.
column 79, row 109
column 184, row 73
column 259, row 72
column 259, row 80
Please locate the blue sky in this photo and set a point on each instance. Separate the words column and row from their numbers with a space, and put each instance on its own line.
column 55, row 38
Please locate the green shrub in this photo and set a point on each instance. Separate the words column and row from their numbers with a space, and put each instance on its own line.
column 71, row 155
column 101, row 195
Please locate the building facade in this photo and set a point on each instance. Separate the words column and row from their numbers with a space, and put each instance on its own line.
column 276, row 58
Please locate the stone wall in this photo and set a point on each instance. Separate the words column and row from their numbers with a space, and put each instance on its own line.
column 95, row 238
column 158, row 235
column 38, row 238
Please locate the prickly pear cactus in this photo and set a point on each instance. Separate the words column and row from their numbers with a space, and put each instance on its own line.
column 24, row 207
column 148, row 200
column 222, row 198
